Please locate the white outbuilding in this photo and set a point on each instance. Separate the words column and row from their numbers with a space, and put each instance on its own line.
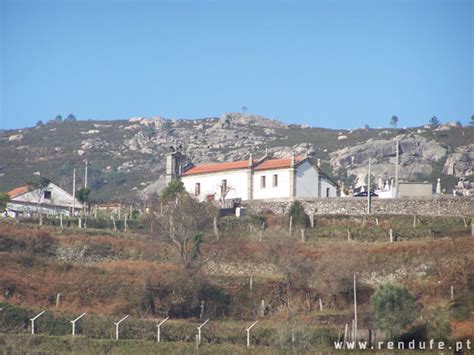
column 52, row 200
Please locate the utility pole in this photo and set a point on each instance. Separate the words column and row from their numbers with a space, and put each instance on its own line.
column 369, row 201
column 355, row 310
column 85, row 174
column 396, row 168
column 73, row 191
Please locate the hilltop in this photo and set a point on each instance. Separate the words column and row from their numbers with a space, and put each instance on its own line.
column 126, row 157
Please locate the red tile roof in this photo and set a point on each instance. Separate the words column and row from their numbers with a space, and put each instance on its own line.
column 215, row 167
column 277, row 163
column 18, row 191
column 262, row 164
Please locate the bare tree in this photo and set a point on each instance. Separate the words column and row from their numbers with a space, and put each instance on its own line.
column 179, row 222
column 39, row 184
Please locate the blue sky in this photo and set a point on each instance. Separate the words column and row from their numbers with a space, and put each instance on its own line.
column 332, row 63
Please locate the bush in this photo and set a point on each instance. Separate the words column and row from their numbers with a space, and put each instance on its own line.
column 298, row 214
column 393, row 307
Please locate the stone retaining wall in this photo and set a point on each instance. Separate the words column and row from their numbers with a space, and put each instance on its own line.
column 441, row 206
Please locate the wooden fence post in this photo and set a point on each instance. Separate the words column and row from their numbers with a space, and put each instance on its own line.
column 216, row 228
column 291, row 225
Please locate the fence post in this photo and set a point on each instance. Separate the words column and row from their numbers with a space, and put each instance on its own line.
column 199, row 331
column 291, row 225
column 117, row 327
column 33, row 322
column 248, row 333
column 391, row 235
column 158, row 330
column 302, row 235
column 216, row 228
column 74, row 323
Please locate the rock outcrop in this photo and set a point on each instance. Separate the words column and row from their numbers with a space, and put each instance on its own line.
column 417, row 155
column 461, row 162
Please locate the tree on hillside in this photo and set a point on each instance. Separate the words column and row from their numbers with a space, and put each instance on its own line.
column 172, row 190
column 393, row 308
column 58, row 118
column 70, row 117
column 39, row 123
column 244, row 109
column 394, row 121
column 434, row 122
column 180, row 222
column 4, row 199
column 83, row 195
column 39, row 184
column 471, row 123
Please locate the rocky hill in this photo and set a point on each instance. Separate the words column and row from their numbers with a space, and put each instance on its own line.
column 126, row 157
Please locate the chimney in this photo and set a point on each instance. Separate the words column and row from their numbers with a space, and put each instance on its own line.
column 319, row 163
column 293, row 159
column 251, row 159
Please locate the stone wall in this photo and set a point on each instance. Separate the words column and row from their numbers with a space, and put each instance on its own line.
column 441, row 206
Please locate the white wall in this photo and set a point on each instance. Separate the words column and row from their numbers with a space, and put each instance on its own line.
column 325, row 185
column 211, row 184
column 59, row 197
column 306, row 181
column 280, row 191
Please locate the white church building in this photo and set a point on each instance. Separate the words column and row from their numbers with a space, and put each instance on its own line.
column 253, row 179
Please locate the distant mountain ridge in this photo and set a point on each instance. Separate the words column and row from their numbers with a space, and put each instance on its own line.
column 126, row 157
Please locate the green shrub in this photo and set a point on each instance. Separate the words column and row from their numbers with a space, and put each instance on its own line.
column 393, row 308
column 298, row 214
column 173, row 189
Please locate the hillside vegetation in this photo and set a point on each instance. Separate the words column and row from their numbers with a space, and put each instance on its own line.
column 109, row 274
column 127, row 156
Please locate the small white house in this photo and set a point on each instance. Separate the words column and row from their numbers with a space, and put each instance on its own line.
column 51, row 201
column 258, row 179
